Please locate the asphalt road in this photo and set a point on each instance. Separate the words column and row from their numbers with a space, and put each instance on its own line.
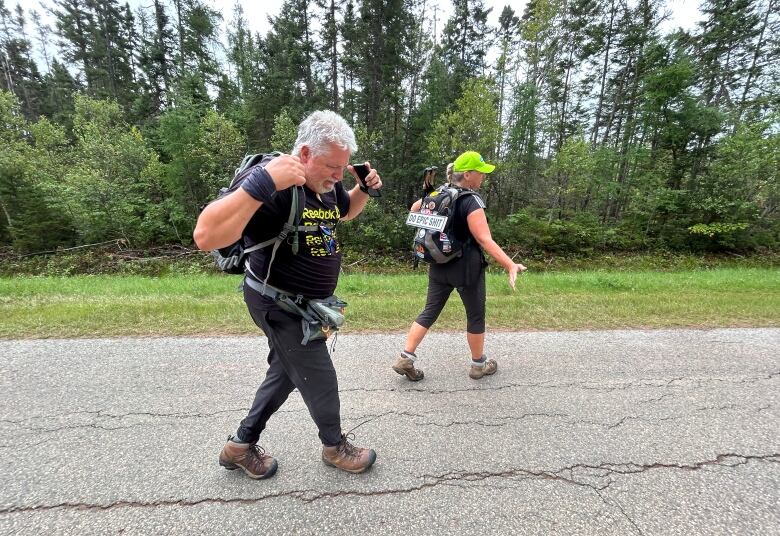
column 615, row 432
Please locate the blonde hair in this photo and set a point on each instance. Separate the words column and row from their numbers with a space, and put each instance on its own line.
column 453, row 177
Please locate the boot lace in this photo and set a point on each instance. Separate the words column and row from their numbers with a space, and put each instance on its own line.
column 347, row 448
column 259, row 452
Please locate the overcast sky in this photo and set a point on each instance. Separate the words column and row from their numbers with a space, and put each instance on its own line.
column 684, row 13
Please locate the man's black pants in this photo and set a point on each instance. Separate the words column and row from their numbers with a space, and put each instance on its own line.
column 308, row 368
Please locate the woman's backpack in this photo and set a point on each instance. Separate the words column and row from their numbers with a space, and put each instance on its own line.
column 433, row 242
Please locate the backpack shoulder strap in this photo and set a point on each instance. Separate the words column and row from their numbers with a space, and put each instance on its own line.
column 250, row 161
column 465, row 192
column 292, row 225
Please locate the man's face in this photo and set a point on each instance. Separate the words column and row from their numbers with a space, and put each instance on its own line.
column 324, row 170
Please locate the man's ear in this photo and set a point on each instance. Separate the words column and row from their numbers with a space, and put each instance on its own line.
column 304, row 154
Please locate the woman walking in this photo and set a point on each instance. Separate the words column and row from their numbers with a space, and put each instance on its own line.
column 465, row 273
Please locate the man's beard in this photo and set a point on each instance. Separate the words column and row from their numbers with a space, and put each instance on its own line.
column 324, row 189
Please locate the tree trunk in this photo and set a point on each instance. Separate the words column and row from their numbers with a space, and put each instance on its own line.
column 604, row 70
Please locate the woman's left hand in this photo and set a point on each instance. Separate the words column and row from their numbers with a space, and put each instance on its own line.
column 513, row 271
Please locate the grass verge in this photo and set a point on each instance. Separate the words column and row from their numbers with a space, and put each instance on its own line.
column 108, row 306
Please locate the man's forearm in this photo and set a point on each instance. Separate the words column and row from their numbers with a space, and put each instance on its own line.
column 357, row 202
column 223, row 221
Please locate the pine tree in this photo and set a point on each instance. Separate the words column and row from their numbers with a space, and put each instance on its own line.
column 465, row 43
column 57, row 99
column 155, row 58
column 291, row 60
column 386, row 61
column 329, row 48
column 19, row 72
column 74, row 25
column 508, row 31
column 198, row 67
column 110, row 52
column 724, row 47
column 350, row 60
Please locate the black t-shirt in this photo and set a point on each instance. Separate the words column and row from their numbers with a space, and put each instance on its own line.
column 465, row 205
column 314, row 271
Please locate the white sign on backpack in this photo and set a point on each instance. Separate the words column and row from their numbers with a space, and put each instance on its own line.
column 426, row 221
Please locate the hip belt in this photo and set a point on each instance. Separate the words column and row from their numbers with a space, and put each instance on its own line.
column 320, row 318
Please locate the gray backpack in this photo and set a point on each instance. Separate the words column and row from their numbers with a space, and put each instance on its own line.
column 231, row 259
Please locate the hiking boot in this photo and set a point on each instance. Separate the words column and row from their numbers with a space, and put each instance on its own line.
column 348, row 457
column 488, row 367
column 249, row 457
column 405, row 367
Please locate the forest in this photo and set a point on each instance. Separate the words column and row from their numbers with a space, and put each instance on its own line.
column 611, row 132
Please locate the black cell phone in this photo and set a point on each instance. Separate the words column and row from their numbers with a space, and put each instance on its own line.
column 362, row 172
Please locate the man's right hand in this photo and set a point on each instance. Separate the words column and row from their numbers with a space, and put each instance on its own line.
column 286, row 171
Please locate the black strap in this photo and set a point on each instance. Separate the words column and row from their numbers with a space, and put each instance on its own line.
column 294, row 304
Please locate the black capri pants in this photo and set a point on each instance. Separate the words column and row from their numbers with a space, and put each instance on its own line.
column 467, row 275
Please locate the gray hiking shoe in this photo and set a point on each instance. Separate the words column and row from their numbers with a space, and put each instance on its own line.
column 405, row 367
column 486, row 367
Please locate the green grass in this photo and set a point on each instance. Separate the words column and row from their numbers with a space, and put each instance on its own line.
column 105, row 306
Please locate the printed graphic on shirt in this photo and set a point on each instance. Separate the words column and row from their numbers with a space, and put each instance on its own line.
column 323, row 241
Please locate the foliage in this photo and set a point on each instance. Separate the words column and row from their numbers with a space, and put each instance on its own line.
column 609, row 133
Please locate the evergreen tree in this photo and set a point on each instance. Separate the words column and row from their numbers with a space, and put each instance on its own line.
column 74, row 25
column 509, row 32
column 762, row 84
column 329, row 48
column 198, row 67
column 724, row 47
column 59, row 87
column 385, row 52
column 350, row 60
column 291, row 61
column 19, row 72
column 465, row 43
column 110, row 52
column 155, row 59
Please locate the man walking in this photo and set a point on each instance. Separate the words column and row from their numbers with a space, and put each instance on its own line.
column 257, row 208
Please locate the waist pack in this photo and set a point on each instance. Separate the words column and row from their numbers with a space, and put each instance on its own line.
column 320, row 318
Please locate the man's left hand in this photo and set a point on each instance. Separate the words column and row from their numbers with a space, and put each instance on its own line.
column 373, row 180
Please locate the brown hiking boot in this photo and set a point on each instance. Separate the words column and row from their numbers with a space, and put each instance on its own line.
column 348, row 457
column 405, row 367
column 249, row 457
column 490, row 367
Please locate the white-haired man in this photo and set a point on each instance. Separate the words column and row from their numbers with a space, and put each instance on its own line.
column 257, row 209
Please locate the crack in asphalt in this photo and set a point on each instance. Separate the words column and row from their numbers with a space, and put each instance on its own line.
column 447, row 424
column 590, row 386
column 656, row 399
column 565, row 475
column 110, row 417
column 103, row 414
column 492, row 423
column 615, row 502
column 511, row 418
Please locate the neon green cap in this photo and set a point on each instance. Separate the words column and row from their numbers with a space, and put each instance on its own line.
column 472, row 160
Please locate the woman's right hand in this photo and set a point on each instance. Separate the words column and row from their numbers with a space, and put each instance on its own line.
column 513, row 271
